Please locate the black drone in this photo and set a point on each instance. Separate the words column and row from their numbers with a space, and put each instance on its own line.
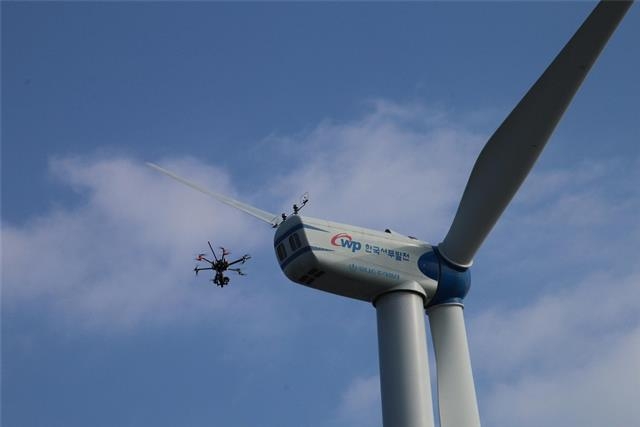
column 220, row 265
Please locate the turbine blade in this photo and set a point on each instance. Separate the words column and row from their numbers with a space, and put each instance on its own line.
column 402, row 353
column 509, row 155
column 251, row 210
column 456, row 391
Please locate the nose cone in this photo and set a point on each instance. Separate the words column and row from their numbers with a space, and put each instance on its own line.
column 453, row 282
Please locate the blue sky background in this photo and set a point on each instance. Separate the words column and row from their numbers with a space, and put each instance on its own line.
column 379, row 111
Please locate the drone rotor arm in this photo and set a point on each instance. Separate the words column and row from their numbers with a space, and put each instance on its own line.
column 240, row 260
column 213, row 252
column 237, row 270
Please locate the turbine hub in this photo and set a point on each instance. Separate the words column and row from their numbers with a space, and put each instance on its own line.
column 453, row 281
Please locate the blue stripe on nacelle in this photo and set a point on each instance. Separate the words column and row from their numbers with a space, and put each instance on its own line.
column 294, row 229
column 300, row 252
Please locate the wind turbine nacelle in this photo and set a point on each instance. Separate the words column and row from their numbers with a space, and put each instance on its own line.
column 351, row 261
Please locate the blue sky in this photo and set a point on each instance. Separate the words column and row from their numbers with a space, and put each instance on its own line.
column 378, row 111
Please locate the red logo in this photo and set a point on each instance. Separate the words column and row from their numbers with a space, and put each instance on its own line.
column 344, row 240
column 340, row 236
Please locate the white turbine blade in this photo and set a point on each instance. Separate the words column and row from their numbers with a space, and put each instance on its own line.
column 456, row 391
column 253, row 211
column 511, row 152
column 404, row 366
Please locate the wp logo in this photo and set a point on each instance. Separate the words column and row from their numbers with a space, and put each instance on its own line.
column 344, row 240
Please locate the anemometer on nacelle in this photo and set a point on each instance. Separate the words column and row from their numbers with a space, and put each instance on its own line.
column 304, row 199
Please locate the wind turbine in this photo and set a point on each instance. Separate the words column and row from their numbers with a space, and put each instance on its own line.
column 402, row 276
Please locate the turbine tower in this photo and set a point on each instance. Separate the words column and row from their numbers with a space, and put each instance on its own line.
column 402, row 277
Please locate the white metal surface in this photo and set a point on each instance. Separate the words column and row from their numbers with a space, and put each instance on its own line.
column 404, row 368
column 251, row 210
column 511, row 152
column 347, row 260
column 456, row 391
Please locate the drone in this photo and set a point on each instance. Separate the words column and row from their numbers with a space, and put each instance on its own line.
column 220, row 265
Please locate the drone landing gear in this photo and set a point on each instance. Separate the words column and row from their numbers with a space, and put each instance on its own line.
column 221, row 281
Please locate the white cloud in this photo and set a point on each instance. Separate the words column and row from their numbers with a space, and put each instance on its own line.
column 568, row 355
column 571, row 358
column 120, row 257
column 360, row 403
column 601, row 392
column 569, row 328
column 402, row 167
column 117, row 258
